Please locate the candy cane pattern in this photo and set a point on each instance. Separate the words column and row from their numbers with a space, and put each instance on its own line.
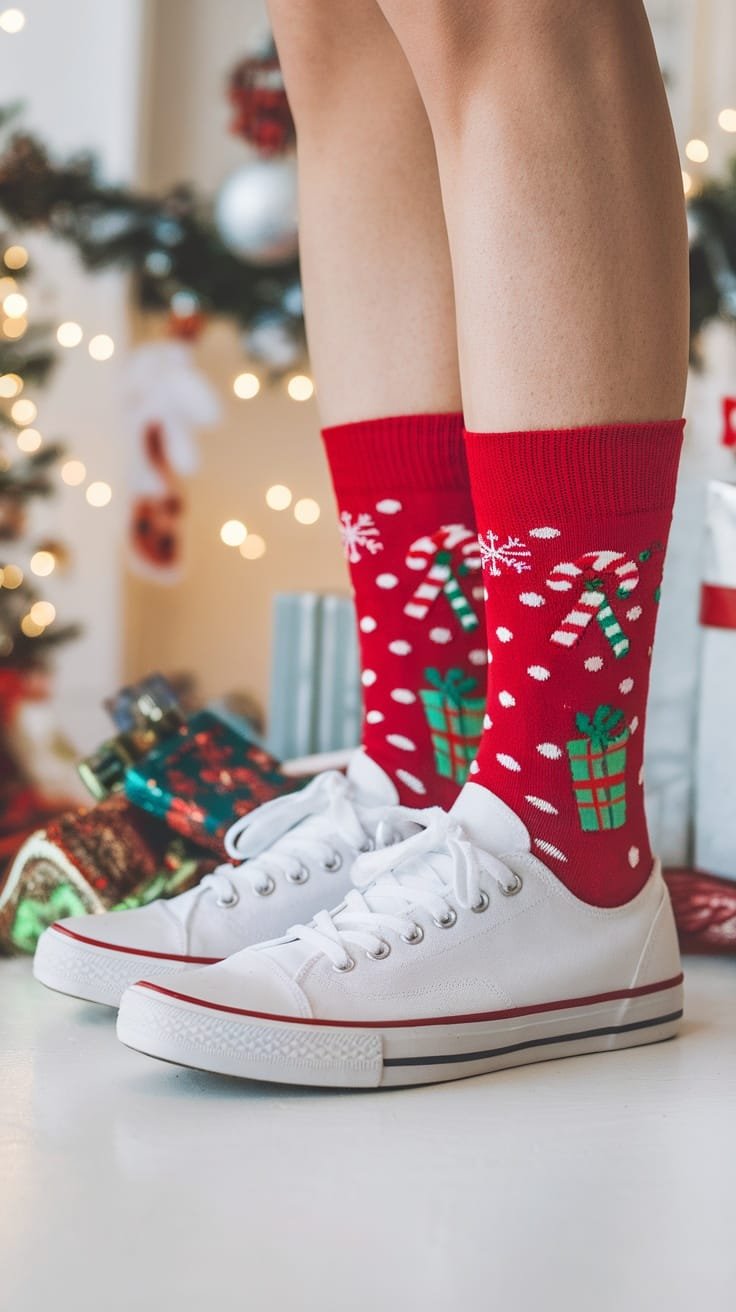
column 595, row 569
column 444, row 558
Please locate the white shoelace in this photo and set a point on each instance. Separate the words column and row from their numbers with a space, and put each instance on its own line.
column 273, row 842
column 425, row 871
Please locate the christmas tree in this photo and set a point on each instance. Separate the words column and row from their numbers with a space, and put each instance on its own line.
column 28, row 628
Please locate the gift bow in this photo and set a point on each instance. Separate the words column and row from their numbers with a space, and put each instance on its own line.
column 452, row 685
column 604, row 727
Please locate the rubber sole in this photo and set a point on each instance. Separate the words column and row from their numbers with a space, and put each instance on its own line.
column 190, row 1034
column 92, row 973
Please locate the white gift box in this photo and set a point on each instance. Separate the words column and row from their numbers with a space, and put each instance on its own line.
column 715, row 775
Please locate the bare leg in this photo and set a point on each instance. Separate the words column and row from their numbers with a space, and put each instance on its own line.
column 375, row 262
column 564, row 206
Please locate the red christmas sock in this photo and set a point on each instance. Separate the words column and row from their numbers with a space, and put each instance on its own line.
column 573, row 526
column 407, row 525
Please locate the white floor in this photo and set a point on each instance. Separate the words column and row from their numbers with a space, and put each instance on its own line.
column 605, row 1183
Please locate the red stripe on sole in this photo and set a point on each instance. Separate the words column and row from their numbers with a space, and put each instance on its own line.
column 134, row 952
column 474, row 1017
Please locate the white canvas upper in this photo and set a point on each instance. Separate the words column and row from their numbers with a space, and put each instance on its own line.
column 462, row 921
column 295, row 853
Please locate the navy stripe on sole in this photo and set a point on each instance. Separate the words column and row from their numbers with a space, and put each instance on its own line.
column 451, row 1059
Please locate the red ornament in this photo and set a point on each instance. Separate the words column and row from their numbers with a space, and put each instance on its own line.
column 261, row 114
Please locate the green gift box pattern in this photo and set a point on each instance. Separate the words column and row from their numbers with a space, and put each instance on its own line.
column 598, row 768
column 455, row 721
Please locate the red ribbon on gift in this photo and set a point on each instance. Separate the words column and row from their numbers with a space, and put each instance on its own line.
column 728, row 409
column 718, row 606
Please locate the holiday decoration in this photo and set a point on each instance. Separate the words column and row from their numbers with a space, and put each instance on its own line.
column 728, row 435
column 315, row 701
column 144, row 714
column 261, row 114
column 455, row 720
column 597, row 576
column 256, row 211
column 204, row 778
column 89, row 860
column 705, row 911
column 29, row 630
column 170, row 243
column 598, row 765
column 167, row 399
column 715, row 813
column 445, row 559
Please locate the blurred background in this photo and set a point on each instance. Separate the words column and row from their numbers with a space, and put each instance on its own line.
column 151, row 325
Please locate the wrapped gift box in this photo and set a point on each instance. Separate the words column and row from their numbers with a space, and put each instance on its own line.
column 715, row 778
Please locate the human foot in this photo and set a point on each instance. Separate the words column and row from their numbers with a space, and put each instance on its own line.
column 296, row 854
column 454, row 962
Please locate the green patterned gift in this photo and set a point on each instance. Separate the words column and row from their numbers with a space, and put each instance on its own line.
column 455, row 721
column 598, row 768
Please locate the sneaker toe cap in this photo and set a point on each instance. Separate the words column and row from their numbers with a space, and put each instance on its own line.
column 248, row 983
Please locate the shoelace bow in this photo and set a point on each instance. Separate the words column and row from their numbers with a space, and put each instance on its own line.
column 400, row 880
column 272, row 842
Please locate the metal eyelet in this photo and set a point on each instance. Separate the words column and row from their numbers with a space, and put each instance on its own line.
column 512, row 889
column 333, row 864
column 367, row 846
column 382, row 953
column 231, row 901
column 299, row 876
column 349, row 964
column 447, row 920
column 415, row 935
column 266, row 888
column 482, row 904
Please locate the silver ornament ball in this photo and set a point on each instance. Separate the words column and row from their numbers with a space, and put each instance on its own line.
column 256, row 211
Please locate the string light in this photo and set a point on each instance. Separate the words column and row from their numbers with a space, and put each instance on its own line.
column 12, row 576
column 10, row 385
column 69, row 333
column 687, row 182
column 99, row 494
column 43, row 613
column 253, row 548
column 278, row 497
column 15, row 305
column 300, row 388
column 697, row 151
column 73, row 472
column 42, row 564
column 7, row 285
column 246, row 386
column 23, row 411
column 12, row 21
column 101, row 347
column 30, row 627
column 306, row 511
column 15, row 257
column 14, row 328
column 29, row 440
column 233, row 532
column 727, row 120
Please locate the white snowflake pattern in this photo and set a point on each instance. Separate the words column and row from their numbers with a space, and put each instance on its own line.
column 359, row 534
column 511, row 554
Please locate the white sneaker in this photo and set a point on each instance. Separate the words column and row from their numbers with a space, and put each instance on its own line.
column 452, row 963
column 300, row 851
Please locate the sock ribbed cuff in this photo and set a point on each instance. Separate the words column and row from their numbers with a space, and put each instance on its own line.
column 626, row 468
column 403, row 453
